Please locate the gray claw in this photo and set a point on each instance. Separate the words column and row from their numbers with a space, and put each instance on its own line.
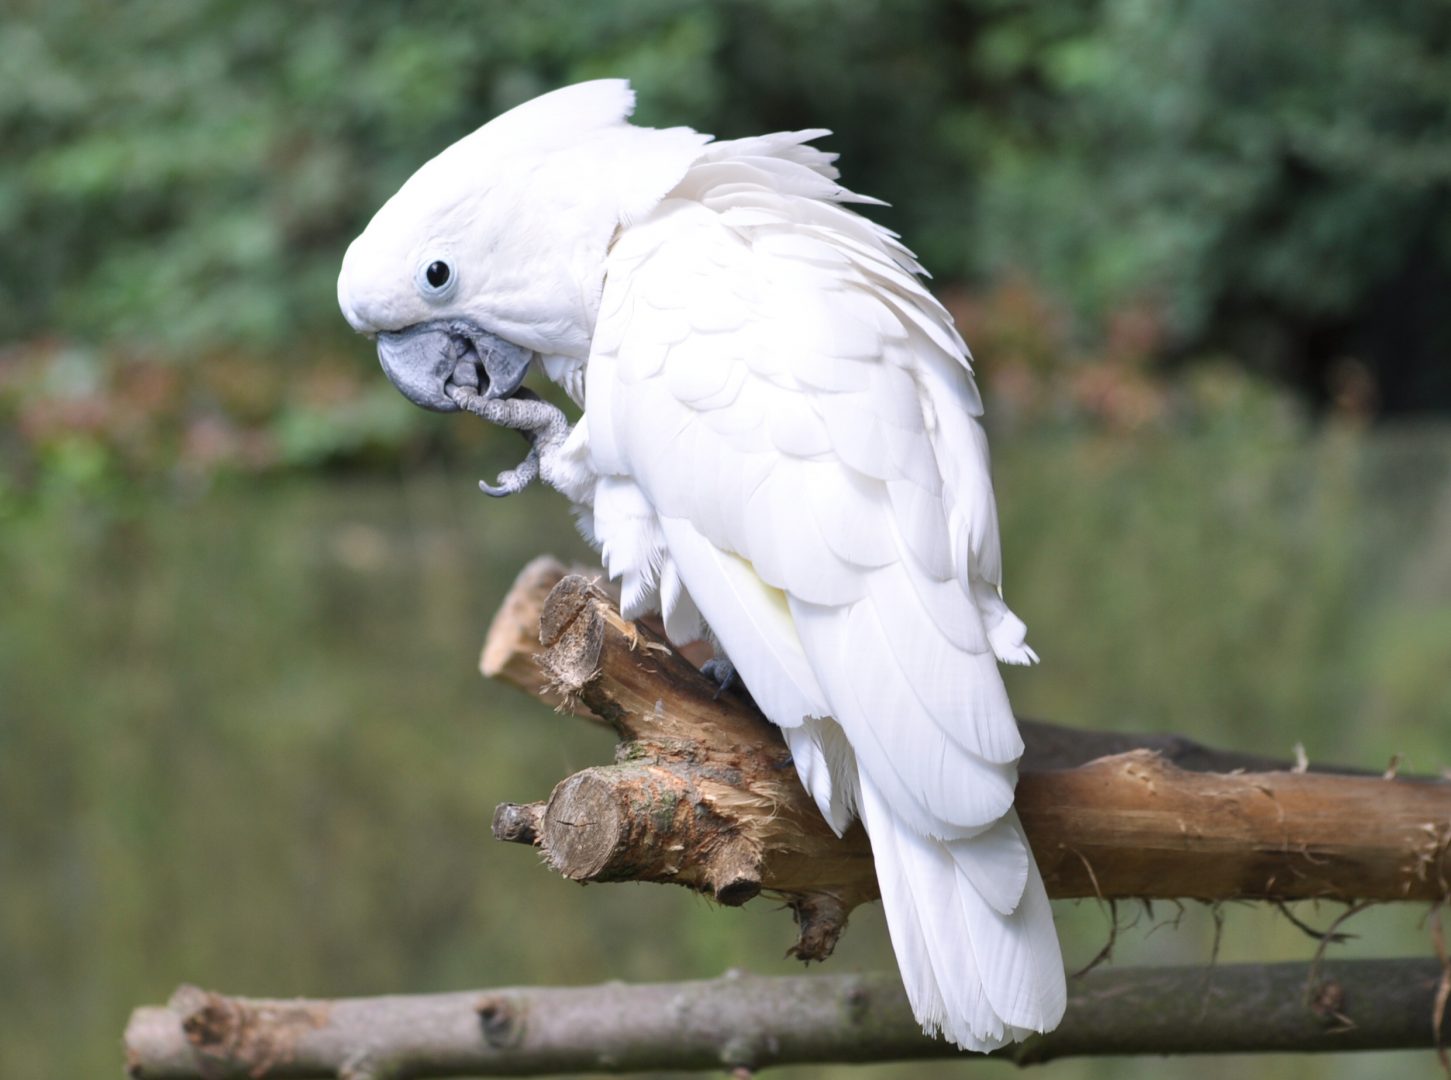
column 514, row 480
column 723, row 673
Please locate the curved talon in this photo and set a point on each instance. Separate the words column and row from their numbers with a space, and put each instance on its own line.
column 514, row 480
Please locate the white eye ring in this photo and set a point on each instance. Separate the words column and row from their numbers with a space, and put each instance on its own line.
column 437, row 279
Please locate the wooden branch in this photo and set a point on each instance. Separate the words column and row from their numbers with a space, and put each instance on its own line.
column 703, row 794
column 512, row 647
column 750, row 1022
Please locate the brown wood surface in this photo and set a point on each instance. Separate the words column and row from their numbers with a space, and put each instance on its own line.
column 703, row 793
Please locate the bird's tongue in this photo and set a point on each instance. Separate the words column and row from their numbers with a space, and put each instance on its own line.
column 467, row 370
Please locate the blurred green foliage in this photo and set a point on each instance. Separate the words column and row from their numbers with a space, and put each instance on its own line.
column 182, row 175
column 1276, row 177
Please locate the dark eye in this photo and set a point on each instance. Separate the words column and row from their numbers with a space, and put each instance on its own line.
column 435, row 278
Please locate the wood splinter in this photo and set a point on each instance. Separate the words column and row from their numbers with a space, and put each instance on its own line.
column 703, row 793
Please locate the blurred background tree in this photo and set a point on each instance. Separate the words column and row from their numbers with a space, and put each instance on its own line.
column 1197, row 246
column 1271, row 185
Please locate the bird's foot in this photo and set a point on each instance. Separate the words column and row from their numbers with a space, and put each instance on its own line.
column 542, row 424
column 722, row 672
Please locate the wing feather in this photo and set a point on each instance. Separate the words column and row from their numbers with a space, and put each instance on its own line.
column 805, row 565
column 854, row 514
column 737, row 604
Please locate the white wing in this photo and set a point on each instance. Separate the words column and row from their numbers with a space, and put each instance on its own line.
column 785, row 427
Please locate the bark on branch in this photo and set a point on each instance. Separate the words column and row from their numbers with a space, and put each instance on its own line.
column 751, row 1022
column 703, row 793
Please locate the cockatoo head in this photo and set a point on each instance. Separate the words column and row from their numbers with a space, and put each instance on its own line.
column 493, row 252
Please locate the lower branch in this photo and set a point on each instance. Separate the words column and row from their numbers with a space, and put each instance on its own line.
column 746, row 1021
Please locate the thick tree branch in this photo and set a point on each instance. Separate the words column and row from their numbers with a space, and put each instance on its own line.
column 512, row 649
column 703, row 794
column 752, row 1022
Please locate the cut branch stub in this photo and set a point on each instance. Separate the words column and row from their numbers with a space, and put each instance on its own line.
column 517, row 824
column 703, row 794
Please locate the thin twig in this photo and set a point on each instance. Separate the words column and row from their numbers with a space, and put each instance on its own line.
column 1443, row 988
column 1329, row 937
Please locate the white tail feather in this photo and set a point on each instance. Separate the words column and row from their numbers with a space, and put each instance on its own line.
column 979, row 977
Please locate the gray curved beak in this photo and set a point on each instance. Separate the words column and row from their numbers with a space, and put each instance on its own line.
column 423, row 361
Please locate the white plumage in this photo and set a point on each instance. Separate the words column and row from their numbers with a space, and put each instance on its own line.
column 779, row 442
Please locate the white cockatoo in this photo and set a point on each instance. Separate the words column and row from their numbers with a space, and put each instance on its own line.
column 779, row 448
